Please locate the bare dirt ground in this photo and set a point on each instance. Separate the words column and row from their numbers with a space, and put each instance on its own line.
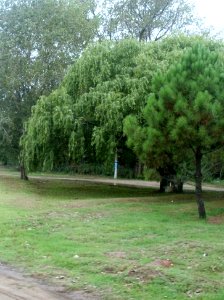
column 14, row 285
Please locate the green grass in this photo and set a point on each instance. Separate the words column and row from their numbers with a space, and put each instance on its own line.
column 112, row 240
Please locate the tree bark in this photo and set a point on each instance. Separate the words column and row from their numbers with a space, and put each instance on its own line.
column 163, row 184
column 198, row 184
column 138, row 169
column 163, row 179
column 23, row 174
column 180, row 186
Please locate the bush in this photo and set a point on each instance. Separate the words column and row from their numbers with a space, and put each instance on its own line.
column 150, row 174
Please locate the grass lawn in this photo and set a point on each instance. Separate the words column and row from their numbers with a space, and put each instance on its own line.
column 115, row 242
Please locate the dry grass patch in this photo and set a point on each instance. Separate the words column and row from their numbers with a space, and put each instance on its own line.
column 216, row 219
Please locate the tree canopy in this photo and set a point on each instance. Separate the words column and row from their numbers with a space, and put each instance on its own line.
column 146, row 20
column 108, row 82
column 38, row 41
column 97, row 85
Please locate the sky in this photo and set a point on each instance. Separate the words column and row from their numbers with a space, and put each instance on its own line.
column 212, row 13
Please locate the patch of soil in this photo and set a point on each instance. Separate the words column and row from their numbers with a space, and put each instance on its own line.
column 113, row 270
column 75, row 204
column 216, row 219
column 109, row 270
column 166, row 263
column 117, row 254
column 144, row 274
column 14, row 286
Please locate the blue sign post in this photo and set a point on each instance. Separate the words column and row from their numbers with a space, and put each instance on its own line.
column 115, row 166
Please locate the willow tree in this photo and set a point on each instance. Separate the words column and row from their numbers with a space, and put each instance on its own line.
column 45, row 143
column 185, row 114
column 97, row 86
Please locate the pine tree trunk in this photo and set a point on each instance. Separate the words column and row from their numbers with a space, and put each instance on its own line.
column 198, row 184
column 168, row 179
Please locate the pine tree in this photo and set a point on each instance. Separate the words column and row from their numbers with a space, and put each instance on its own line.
column 186, row 111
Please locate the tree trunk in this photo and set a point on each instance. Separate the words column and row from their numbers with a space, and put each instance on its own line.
column 138, row 169
column 180, row 185
column 23, row 175
column 177, row 185
column 167, row 175
column 198, row 184
column 163, row 184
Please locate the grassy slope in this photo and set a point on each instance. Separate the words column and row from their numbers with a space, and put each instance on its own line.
column 113, row 240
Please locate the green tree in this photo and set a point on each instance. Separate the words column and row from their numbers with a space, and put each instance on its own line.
column 108, row 82
column 5, row 135
column 145, row 20
column 185, row 114
column 46, row 143
column 96, row 85
column 39, row 40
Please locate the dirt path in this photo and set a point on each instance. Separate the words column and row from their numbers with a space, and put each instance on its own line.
column 126, row 182
column 16, row 286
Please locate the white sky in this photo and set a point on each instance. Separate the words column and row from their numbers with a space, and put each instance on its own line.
column 212, row 12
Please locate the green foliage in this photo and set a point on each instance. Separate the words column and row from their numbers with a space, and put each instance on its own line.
column 38, row 41
column 145, row 20
column 107, row 83
column 98, row 85
column 185, row 112
column 192, row 92
column 150, row 174
column 47, row 132
column 5, row 136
